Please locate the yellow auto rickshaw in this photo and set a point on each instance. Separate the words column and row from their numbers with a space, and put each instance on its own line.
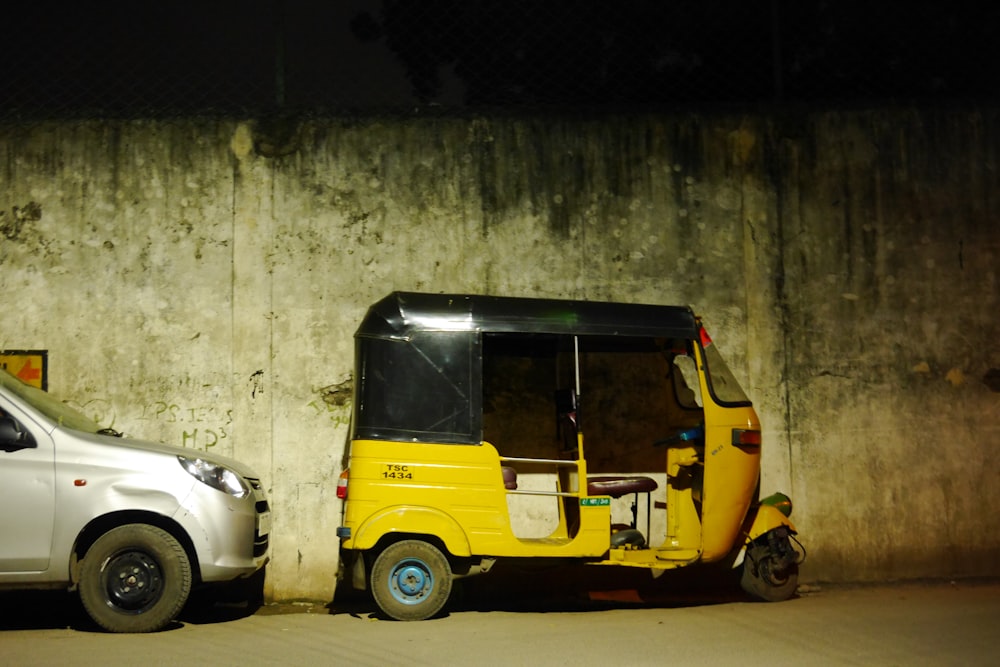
column 468, row 445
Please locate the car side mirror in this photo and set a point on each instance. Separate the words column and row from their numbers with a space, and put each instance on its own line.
column 12, row 436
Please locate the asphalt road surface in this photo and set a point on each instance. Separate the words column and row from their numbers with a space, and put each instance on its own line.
column 939, row 623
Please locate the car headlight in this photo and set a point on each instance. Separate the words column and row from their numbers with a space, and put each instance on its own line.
column 216, row 476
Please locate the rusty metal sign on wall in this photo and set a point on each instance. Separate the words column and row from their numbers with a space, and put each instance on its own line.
column 30, row 366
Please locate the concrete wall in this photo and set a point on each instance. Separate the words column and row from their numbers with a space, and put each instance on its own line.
column 199, row 282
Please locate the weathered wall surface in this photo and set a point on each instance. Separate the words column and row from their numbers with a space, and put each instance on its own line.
column 199, row 283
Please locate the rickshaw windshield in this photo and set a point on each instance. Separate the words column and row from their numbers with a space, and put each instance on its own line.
column 721, row 381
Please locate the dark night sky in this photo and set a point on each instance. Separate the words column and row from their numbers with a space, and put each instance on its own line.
column 229, row 56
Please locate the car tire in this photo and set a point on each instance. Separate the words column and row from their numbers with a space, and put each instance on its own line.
column 135, row 578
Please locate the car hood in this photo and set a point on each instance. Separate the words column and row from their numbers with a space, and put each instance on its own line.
column 160, row 448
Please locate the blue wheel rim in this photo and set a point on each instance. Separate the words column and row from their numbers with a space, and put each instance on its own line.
column 411, row 581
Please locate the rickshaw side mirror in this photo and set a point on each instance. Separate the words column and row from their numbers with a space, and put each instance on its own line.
column 565, row 401
column 566, row 418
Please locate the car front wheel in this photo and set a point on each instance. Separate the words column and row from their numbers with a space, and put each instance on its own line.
column 135, row 578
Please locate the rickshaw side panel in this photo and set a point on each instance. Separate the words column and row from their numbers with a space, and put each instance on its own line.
column 420, row 487
column 456, row 493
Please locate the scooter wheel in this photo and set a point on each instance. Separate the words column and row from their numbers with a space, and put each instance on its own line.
column 763, row 581
column 411, row 580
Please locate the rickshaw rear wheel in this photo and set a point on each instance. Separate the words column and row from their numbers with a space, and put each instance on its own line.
column 764, row 580
column 411, row 580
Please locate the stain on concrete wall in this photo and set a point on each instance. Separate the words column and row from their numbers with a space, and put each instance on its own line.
column 199, row 282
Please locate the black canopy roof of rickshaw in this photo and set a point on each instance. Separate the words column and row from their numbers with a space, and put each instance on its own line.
column 401, row 314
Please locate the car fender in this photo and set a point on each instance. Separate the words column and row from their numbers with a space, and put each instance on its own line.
column 124, row 498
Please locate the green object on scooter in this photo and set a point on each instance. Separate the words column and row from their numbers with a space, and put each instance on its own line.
column 779, row 501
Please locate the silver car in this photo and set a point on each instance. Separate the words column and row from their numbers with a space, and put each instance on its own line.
column 130, row 525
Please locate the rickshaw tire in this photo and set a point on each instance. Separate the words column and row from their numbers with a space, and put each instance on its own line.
column 411, row 580
column 763, row 585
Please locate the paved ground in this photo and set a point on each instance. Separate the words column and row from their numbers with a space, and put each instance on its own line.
column 940, row 623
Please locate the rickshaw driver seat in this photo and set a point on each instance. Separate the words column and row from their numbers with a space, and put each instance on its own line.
column 616, row 487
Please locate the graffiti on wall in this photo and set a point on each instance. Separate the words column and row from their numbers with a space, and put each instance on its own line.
column 193, row 427
column 335, row 401
column 202, row 427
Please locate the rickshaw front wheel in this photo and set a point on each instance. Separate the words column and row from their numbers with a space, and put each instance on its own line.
column 765, row 577
column 411, row 580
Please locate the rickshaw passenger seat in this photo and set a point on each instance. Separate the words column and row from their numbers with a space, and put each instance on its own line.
column 509, row 478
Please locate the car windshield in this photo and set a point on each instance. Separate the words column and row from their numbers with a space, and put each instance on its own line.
column 48, row 405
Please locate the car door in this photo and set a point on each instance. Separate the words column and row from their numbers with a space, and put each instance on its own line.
column 27, row 493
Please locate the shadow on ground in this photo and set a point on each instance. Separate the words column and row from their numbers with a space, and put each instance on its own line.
column 42, row 610
column 512, row 586
column 546, row 587
column 57, row 609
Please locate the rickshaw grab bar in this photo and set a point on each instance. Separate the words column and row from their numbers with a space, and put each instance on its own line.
column 529, row 492
column 558, row 462
column 533, row 492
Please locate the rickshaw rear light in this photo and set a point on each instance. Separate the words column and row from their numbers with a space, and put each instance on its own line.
column 705, row 339
column 342, row 485
column 745, row 438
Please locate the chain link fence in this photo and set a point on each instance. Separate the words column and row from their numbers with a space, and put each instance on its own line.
column 161, row 59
